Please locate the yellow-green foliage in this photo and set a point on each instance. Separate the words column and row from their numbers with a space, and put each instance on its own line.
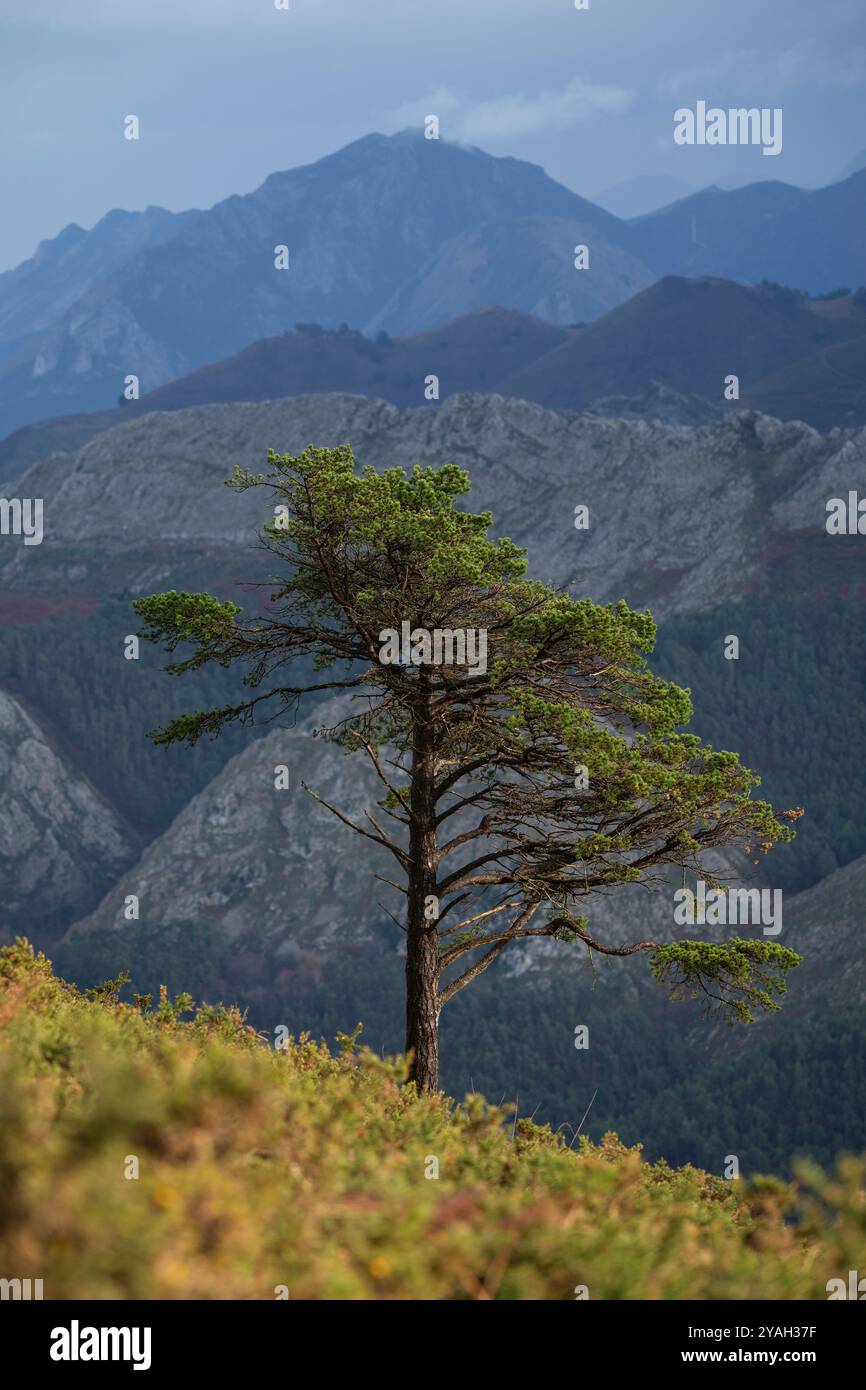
column 260, row 1168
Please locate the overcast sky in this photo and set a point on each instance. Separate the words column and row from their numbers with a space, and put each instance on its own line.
column 227, row 91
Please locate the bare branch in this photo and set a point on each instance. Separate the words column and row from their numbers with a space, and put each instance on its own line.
column 358, row 829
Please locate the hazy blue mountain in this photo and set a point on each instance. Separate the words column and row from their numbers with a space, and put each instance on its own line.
column 39, row 291
column 809, row 239
column 396, row 233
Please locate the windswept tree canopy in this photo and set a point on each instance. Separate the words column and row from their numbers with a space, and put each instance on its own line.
column 552, row 765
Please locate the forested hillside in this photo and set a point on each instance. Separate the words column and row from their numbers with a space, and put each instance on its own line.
column 794, row 705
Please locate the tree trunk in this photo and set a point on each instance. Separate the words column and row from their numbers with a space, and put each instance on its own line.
column 422, row 985
column 422, row 1013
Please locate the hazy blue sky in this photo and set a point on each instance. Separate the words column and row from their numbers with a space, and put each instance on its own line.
column 227, row 91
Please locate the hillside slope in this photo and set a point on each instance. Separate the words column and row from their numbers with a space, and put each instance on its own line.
column 205, row 1163
column 691, row 334
column 233, row 853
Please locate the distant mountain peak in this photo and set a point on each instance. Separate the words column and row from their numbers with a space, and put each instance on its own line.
column 70, row 234
column 393, row 233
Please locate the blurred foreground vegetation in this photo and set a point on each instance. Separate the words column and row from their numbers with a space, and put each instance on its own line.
column 263, row 1172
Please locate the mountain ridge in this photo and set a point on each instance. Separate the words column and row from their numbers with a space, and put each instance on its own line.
column 396, row 233
column 768, row 482
column 801, row 360
column 359, row 225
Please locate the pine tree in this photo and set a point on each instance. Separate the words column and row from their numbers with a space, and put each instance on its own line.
column 528, row 756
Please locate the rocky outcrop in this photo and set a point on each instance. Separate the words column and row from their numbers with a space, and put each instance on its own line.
column 251, row 853
column 61, row 843
column 680, row 518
